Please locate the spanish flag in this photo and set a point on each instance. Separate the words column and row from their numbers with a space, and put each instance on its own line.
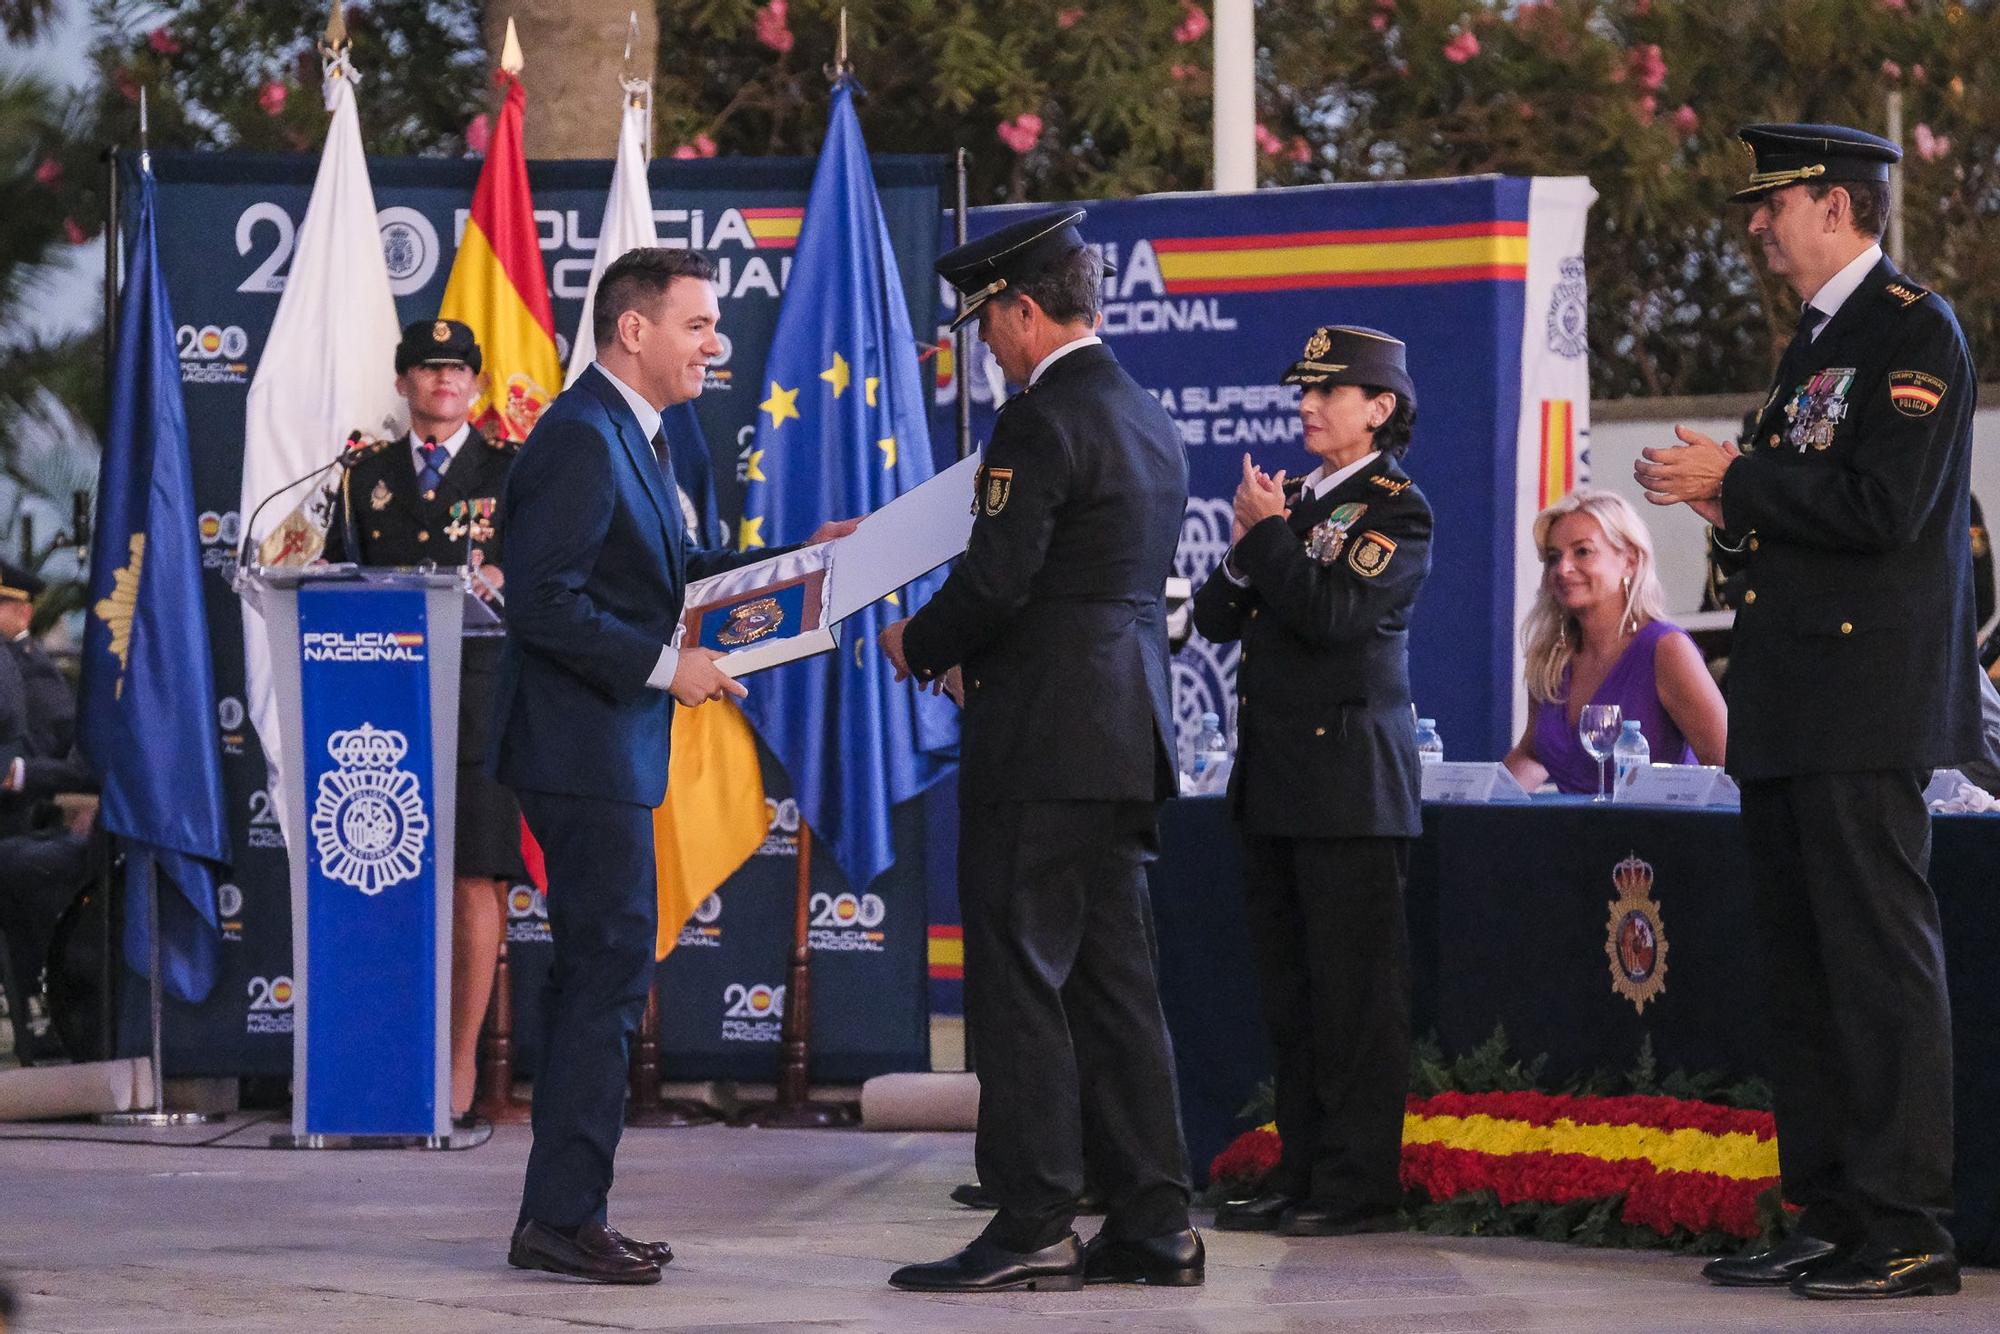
column 497, row 283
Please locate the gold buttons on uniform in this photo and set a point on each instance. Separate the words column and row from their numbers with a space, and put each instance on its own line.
column 975, row 683
column 1750, row 597
column 1253, row 613
column 374, row 532
column 1847, row 627
column 1753, row 544
column 1774, row 437
column 424, row 536
column 1319, row 731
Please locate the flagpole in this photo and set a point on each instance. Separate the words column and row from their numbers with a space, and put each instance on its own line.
column 964, row 332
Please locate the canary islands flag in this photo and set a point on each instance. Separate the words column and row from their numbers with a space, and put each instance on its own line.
column 147, row 712
column 841, row 431
column 498, row 287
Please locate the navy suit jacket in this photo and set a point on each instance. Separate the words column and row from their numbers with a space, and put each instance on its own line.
column 598, row 562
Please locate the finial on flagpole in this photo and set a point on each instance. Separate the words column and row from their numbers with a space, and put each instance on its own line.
column 334, row 45
column 631, row 40
column 511, row 60
column 841, row 67
column 336, row 30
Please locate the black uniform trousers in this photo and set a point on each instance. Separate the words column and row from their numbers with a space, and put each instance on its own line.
column 1860, row 1040
column 40, row 874
column 1333, row 974
column 603, row 914
column 1062, row 988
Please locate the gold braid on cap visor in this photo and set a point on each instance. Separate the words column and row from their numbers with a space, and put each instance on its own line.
column 1775, row 180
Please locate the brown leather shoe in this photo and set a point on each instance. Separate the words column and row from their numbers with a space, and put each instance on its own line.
column 592, row 1255
column 657, row 1251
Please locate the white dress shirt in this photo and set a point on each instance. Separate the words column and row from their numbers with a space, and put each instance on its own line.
column 1042, row 366
column 1834, row 293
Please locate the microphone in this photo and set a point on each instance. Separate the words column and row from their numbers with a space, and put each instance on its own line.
column 354, row 453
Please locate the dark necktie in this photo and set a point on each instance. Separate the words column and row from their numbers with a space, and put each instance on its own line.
column 1800, row 349
column 431, row 474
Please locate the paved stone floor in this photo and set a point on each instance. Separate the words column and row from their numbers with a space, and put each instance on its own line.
column 772, row 1229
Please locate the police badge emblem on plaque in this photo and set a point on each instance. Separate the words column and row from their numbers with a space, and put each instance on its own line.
column 1818, row 408
column 751, row 622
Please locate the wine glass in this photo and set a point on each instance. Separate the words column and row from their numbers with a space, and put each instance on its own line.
column 1597, row 728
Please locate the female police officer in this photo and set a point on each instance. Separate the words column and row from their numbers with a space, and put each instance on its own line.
column 1318, row 587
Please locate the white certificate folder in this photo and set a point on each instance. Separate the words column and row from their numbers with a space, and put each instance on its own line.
column 791, row 606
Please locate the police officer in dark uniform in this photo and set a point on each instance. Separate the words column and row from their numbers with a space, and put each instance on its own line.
column 1053, row 628
column 43, row 862
column 434, row 498
column 1319, row 587
column 1851, row 677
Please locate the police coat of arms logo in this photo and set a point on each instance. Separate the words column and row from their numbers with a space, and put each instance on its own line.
column 368, row 820
column 1636, row 939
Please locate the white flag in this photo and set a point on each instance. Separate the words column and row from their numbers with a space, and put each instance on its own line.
column 628, row 219
column 328, row 369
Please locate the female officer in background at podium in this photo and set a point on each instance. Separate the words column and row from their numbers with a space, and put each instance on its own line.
column 1318, row 586
column 433, row 498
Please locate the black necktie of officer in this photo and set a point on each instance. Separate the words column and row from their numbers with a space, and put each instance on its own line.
column 1800, row 348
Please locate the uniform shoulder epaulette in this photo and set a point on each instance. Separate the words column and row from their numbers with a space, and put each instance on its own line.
column 361, row 447
column 1391, row 485
column 1904, row 294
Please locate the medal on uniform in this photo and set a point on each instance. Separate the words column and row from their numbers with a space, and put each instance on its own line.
column 456, row 529
column 1818, row 407
column 380, row 497
column 482, row 519
column 1328, row 537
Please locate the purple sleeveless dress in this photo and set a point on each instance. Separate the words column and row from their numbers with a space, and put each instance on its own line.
column 1630, row 686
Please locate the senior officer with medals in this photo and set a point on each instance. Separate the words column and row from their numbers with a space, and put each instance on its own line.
column 1318, row 586
column 1847, row 517
column 433, row 498
column 1053, row 626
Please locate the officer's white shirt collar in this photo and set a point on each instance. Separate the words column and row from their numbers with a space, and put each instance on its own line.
column 1042, row 366
column 1319, row 483
column 450, row 443
column 648, row 415
column 1834, row 293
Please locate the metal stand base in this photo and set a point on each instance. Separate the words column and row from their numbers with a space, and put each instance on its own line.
column 158, row 1120
column 458, row 1139
column 799, row 1116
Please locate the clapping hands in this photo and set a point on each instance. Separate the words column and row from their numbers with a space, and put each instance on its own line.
column 1258, row 497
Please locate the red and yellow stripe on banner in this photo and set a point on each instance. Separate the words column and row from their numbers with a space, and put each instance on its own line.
column 774, row 228
column 947, row 953
column 1492, row 251
column 499, row 288
column 1558, row 450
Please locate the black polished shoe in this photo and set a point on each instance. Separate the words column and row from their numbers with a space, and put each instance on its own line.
column 973, row 1195
column 1259, row 1213
column 1170, row 1260
column 984, row 1267
column 1874, row 1274
column 1090, row 1202
column 657, row 1251
column 591, row 1255
column 1793, row 1258
column 1335, row 1220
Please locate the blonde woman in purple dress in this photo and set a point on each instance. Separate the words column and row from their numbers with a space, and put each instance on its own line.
column 1597, row 634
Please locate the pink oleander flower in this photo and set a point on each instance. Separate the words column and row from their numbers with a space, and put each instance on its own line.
column 704, row 146
column 1916, row 74
column 478, row 133
column 1930, row 146
column 772, row 29
column 272, row 97
column 1021, row 133
column 1069, row 18
column 1301, row 151
column 1461, row 48
column 1268, row 143
column 163, row 42
column 685, row 153
column 49, row 172
column 1182, row 73
column 1194, row 23
column 1379, row 22
column 1686, row 122
column 1900, row 6
column 127, row 83
column 73, row 233
column 1892, row 71
column 1648, row 67
column 1649, row 107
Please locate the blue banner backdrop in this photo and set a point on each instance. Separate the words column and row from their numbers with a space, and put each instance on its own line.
column 227, row 224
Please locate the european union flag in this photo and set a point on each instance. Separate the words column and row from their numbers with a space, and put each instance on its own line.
column 148, row 698
column 841, row 431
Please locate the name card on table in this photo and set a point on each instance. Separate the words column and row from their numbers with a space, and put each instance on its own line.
column 1468, row 783
column 1677, row 785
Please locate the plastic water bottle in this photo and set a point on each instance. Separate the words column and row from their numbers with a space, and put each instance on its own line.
column 1209, row 769
column 1630, row 754
column 1430, row 746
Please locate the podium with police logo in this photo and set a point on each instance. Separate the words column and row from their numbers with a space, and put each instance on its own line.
column 365, row 669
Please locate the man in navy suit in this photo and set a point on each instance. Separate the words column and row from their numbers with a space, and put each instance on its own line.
column 599, row 558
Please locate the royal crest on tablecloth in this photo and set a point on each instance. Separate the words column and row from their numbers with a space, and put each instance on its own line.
column 1635, row 938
